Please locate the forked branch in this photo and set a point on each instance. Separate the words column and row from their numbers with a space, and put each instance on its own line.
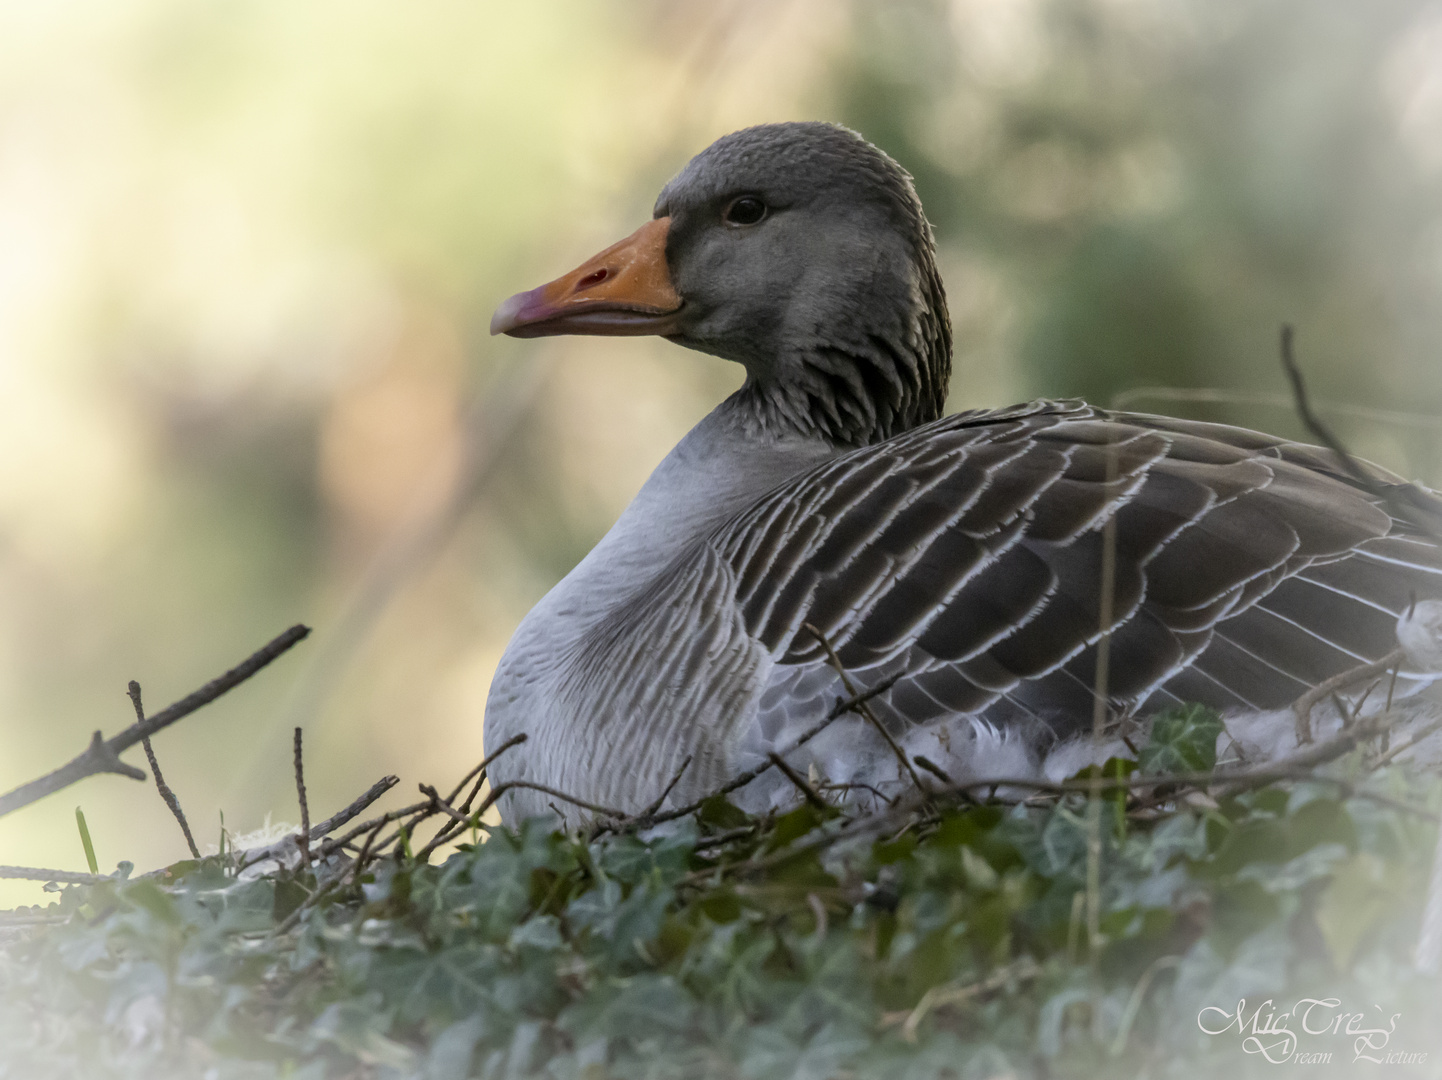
column 103, row 755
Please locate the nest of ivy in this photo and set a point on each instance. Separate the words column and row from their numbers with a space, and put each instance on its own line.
column 1153, row 917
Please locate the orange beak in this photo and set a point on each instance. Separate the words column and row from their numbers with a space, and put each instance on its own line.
column 624, row 290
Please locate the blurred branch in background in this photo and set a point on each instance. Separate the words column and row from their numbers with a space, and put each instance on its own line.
column 1128, row 399
column 493, row 418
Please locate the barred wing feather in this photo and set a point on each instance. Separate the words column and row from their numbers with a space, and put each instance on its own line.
column 966, row 554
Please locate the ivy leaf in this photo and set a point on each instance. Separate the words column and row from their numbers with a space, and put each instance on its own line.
column 1183, row 740
column 1362, row 892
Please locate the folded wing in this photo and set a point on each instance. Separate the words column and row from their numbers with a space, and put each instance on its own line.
column 968, row 557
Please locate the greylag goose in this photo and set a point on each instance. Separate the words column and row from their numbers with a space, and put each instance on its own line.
column 959, row 555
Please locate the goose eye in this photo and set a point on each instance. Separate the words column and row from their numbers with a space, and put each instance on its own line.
column 747, row 210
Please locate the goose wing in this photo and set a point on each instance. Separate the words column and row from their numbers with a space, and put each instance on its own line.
column 966, row 556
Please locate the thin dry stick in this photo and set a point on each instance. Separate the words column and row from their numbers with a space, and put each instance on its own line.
column 323, row 889
column 799, row 781
column 1410, row 502
column 479, row 773
column 282, row 847
column 935, row 770
column 939, row 996
column 443, row 806
column 1213, row 396
column 480, row 770
column 303, row 841
column 1302, row 708
column 1417, row 736
column 1100, row 691
column 1296, row 768
column 511, row 785
column 864, row 709
column 1407, row 501
column 407, row 829
column 366, row 826
column 660, row 799
column 840, row 709
column 103, row 755
column 360, row 863
column 166, row 794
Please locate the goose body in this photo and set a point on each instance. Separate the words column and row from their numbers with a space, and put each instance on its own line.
column 960, row 556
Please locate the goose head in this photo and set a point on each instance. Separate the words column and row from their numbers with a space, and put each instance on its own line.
column 801, row 252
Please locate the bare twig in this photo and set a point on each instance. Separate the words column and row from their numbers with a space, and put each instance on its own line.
column 323, row 889
column 1214, row 396
column 857, row 785
column 409, row 818
column 302, row 841
column 935, row 770
column 166, row 794
column 64, row 877
column 841, row 708
column 365, row 826
column 479, row 773
column 443, row 806
column 799, row 781
column 937, row 997
column 1424, row 510
column 1407, row 501
column 360, row 863
column 283, row 847
column 863, row 708
column 1417, row 736
column 104, row 755
column 511, row 785
column 480, row 770
column 661, row 799
column 1302, row 709
column 1101, row 709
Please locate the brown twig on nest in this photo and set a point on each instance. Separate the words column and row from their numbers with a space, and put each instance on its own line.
column 865, row 709
column 478, row 774
column 1019, row 970
column 1407, row 501
column 103, row 755
column 1298, row 767
column 167, row 796
column 512, row 785
column 1417, row 736
column 660, row 799
column 1302, row 708
column 1424, row 510
column 443, row 806
column 361, row 859
column 798, row 781
column 840, row 709
column 303, row 840
column 281, row 848
column 409, row 816
column 935, row 770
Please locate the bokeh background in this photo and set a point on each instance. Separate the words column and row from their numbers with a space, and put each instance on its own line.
column 248, row 253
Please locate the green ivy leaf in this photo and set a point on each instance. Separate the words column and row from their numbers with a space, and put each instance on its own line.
column 1183, row 740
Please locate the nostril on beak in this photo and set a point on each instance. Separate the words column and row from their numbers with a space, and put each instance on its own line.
column 593, row 278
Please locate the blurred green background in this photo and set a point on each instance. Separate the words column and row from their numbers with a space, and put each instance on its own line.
column 248, row 253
